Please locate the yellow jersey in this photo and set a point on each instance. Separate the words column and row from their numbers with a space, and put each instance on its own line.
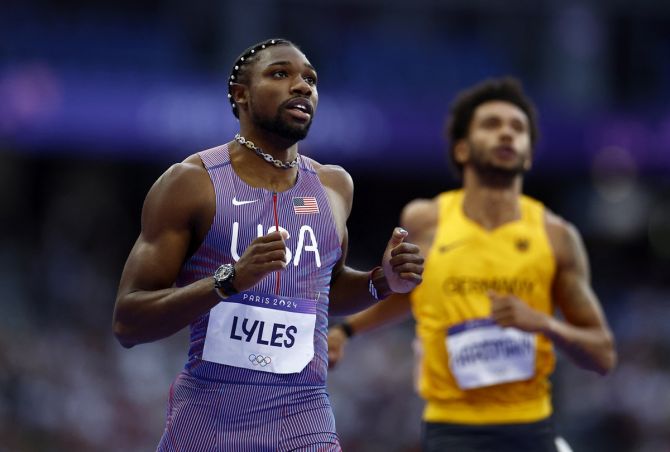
column 472, row 371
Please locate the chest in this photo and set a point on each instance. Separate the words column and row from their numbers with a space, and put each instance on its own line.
column 513, row 255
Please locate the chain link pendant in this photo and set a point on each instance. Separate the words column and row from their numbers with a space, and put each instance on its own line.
column 267, row 157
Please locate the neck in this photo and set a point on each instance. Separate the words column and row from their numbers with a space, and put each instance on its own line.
column 491, row 206
column 277, row 146
column 255, row 171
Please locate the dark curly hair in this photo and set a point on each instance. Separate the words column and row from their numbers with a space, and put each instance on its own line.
column 507, row 89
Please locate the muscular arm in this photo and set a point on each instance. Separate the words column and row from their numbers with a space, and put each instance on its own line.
column 177, row 214
column 148, row 307
column 348, row 287
column 419, row 218
column 402, row 265
column 584, row 335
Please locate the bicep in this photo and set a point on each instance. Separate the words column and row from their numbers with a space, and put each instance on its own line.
column 339, row 265
column 167, row 229
column 339, row 187
column 154, row 263
column 572, row 289
column 340, row 191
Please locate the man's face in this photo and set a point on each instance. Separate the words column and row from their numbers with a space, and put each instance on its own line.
column 282, row 92
column 499, row 139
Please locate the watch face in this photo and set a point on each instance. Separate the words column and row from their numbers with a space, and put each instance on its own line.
column 224, row 272
column 223, row 279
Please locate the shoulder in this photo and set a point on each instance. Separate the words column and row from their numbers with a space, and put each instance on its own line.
column 559, row 227
column 190, row 168
column 420, row 214
column 181, row 190
column 339, row 187
column 337, row 179
column 333, row 176
column 564, row 237
column 188, row 177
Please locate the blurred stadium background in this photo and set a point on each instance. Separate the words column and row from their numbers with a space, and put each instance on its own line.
column 97, row 99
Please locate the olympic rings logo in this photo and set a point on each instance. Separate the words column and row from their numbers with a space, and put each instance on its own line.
column 259, row 360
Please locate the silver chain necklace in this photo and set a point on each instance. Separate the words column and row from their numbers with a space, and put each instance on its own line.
column 267, row 157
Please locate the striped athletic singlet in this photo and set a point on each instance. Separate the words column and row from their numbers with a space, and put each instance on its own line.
column 216, row 406
column 473, row 372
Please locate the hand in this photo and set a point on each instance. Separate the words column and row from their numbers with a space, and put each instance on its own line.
column 336, row 342
column 508, row 310
column 264, row 255
column 402, row 263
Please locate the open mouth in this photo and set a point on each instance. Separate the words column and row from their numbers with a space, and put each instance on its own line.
column 300, row 108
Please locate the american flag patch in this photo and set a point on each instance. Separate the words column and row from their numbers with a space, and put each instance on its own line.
column 305, row 204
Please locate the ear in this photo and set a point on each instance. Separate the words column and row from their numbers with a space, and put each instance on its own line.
column 240, row 95
column 462, row 151
column 528, row 164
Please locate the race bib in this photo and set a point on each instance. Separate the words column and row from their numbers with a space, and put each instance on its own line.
column 481, row 353
column 261, row 332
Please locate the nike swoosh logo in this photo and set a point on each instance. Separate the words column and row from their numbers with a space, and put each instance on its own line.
column 450, row 246
column 241, row 203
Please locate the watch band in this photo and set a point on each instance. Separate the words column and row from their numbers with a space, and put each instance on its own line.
column 346, row 329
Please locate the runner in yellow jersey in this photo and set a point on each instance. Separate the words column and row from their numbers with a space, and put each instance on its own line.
column 498, row 265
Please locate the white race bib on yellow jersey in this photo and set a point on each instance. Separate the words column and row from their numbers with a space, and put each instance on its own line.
column 481, row 353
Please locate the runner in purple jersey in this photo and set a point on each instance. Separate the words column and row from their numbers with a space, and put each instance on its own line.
column 246, row 243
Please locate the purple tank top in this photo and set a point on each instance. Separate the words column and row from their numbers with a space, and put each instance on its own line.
column 244, row 213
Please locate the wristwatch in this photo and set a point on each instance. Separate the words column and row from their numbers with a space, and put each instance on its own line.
column 223, row 280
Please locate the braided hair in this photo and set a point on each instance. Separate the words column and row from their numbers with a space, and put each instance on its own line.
column 239, row 73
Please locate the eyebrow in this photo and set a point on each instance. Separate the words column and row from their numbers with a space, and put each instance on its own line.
column 288, row 63
column 490, row 116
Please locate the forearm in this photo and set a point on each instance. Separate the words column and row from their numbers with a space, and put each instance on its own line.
column 386, row 312
column 591, row 348
column 350, row 292
column 144, row 316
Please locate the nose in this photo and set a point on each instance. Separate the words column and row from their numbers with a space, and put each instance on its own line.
column 300, row 86
column 506, row 133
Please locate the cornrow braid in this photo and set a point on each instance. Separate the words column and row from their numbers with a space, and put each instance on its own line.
column 239, row 74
